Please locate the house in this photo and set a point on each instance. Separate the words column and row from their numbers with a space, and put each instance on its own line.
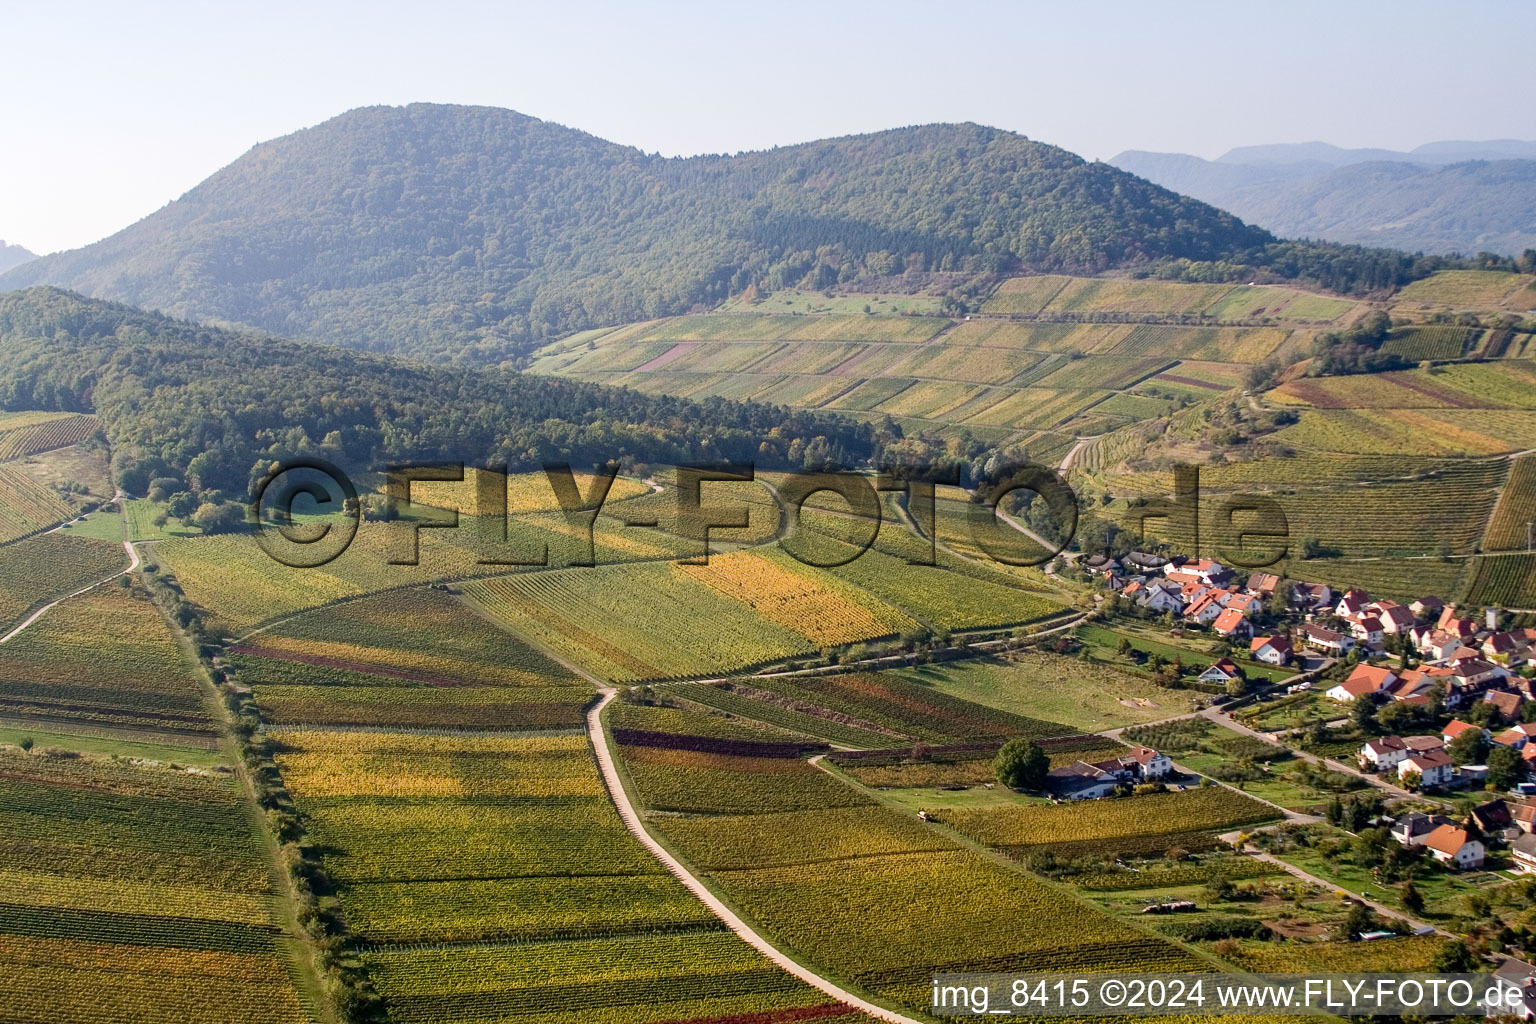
column 1367, row 629
column 1245, row 603
column 1492, row 817
column 1395, row 619
column 1512, row 738
column 1507, row 702
column 1161, row 596
column 1421, row 744
column 1144, row 562
column 1433, row 643
column 1455, row 727
column 1412, row 829
column 1365, row 680
column 1515, row 981
column 1205, row 609
column 1455, row 848
column 1474, row 674
column 1326, row 640
column 1352, row 604
column 1310, row 597
column 1433, row 768
column 1211, row 573
column 1150, row 764
column 1232, row 622
column 1506, row 649
column 1222, row 671
column 1523, row 814
column 1101, row 563
column 1411, row 685
column 1516, row 737
column 1261, row 584
column 1524, row 850
column 1427, row 607
column 1271, row 650
column 1384, row 753
column 1081, row 781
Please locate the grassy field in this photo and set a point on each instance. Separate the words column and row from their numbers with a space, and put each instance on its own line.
column 1054, row 688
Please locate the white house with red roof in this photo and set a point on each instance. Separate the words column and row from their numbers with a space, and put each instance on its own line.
column 1383, row 753
column 1223, row 670
column 1245, row 603
column 1232, row 622
column 1205, row 609
column 1455, row 848
column 1326, row 640
column 1271, row 650
column 1367, row 629
column 1395, row 618
column 1365, row 680
column 1352, row 604
column 1455, row 727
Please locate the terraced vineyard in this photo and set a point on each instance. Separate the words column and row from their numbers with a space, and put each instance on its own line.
column 1509, row 528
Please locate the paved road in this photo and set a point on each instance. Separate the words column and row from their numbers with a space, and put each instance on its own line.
column 637, row 828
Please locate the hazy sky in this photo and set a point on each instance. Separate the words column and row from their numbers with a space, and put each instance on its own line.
column 114, row 109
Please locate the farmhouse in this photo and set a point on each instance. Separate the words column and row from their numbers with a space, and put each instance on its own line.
column 1271, row 650
column 1455, row 848
column 1081, row 781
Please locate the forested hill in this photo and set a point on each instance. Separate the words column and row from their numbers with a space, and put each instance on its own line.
column 13, row 256
column 217, row 405
column 471, row 232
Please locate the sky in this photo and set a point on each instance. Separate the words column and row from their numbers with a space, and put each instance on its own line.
column 113, row 109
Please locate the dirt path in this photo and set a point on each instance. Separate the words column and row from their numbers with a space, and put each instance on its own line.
column 632, row 821
column 1307, row 876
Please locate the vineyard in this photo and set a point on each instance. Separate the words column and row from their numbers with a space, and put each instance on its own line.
column 410, row 658
column 1506, row 580
column 490, row 875
column 51, row 565
column 1428, row 342
column 1135, row 825
column 28, row 433
column 26, row 505
column 105, row 659
column 1508, row 385
column 798, row 841
column 1509, row 528
column 1469, row 289
column 1418, row 432
column 134, row 893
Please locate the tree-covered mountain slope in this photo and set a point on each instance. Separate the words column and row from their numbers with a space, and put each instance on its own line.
column 217, row 405
column 473, row 232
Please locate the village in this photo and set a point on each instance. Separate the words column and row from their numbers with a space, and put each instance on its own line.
column 1440, row 696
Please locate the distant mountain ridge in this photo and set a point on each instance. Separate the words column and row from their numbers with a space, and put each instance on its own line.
column 13, row 256
column 451, row 232
column 1441, row 197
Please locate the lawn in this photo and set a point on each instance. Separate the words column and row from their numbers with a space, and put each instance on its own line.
column 112, row 746
column 98, row 525
column 1104, row 642
column 1055, row 689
